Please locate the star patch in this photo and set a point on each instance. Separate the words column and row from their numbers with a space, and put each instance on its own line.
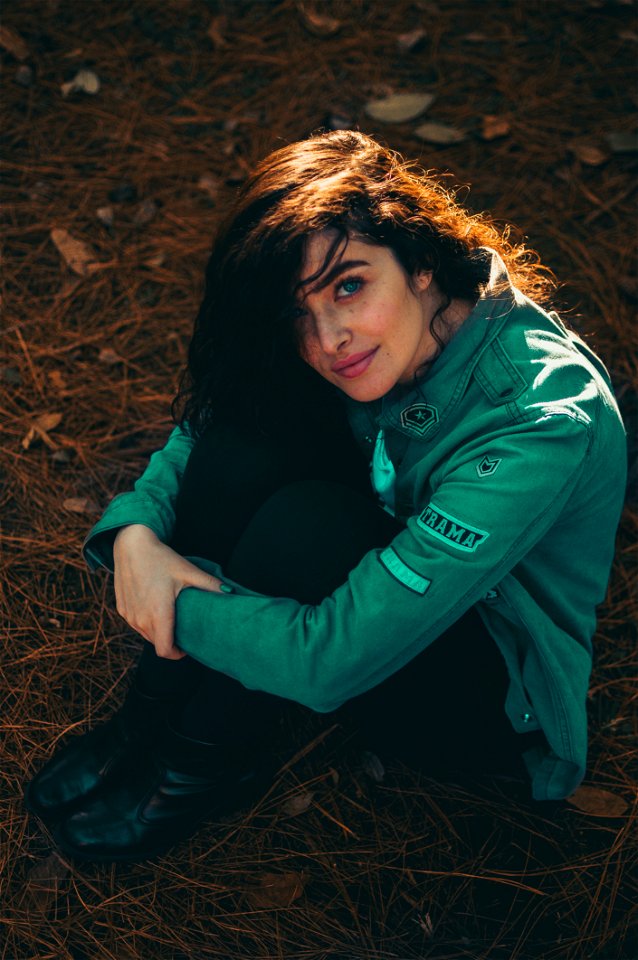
column 487, row 466
column 419, row 417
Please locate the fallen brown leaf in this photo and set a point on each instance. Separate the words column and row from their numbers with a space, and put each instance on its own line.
column 316, row 23
column 48, row 421
column 57, row 380
column 399, row 107
column 276, row 890
column 14, row 43
column 44, row 882
column 298, row 804
column 157, row 260
column 440, row 133
column 588, row 154
column 494, row 127
column 406, row 42
column 80, row 505
column 216, row 31
column 76, row 253
column 598, row 802
column 40, row 427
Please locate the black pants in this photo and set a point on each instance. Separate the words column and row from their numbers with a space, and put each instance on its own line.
column 292, row 520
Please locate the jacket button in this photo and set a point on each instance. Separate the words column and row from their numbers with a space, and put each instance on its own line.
column 368, row 439
column 527, row 717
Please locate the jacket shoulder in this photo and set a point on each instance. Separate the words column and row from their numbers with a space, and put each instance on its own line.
column 537, row 364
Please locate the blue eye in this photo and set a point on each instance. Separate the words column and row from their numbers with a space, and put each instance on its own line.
column 350, row 280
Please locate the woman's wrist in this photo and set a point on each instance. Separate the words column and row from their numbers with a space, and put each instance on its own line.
column 134, row 531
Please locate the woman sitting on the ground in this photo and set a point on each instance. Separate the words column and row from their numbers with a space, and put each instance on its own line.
column 391, row 496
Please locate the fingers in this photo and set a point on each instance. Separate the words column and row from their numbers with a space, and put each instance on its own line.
column 160, row 634
column 164, row 638
column 195, row 577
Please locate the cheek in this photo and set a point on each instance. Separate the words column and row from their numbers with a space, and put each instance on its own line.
column 309, row 350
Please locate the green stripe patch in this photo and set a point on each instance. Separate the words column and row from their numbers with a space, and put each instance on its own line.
column 449, row 530
column 402, row 572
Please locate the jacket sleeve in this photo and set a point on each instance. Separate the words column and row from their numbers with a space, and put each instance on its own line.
column 151, row 502
column 476, row 526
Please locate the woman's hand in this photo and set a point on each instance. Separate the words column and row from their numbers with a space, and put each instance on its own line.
column 148, row 578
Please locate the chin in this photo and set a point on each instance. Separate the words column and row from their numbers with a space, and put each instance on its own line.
column 364, row 392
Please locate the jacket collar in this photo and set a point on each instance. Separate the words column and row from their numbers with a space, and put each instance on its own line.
column 419, row 410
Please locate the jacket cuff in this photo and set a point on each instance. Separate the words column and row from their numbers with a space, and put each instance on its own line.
column 123, row 510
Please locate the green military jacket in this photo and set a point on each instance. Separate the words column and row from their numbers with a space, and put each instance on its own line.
column 510, row 462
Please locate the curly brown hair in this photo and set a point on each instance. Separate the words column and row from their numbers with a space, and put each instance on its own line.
column 244, row 359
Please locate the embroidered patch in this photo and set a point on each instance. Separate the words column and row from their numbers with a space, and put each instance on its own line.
column 487, row 466
column 419, row 417
column 447, row 528
column 402, row 572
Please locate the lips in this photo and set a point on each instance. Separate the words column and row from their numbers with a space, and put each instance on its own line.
column 353, row 360
column 355, row 365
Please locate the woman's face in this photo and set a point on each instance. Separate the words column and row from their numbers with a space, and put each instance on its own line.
column 366, row 330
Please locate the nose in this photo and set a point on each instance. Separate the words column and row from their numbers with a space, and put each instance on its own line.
column 331, row 334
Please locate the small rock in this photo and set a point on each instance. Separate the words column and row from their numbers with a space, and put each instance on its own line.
column 210, row 184
column 621, row 142
column 629, row 286
column 338, row 121
column 105, row 215
column 371, row 765
column 125, row 192
column 41, row 190
column 62, row 456
column 235, row 177
column 109, row 356
column 11, row 375
column 85, row 81
column 146, row 212
column 24, row 75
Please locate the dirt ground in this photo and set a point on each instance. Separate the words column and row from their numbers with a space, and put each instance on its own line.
column 337, row 860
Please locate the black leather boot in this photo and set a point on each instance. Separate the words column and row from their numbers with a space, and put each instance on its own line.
column 167, row 792
column 81, row 766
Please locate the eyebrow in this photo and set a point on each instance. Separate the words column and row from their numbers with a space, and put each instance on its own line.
column 336, row 271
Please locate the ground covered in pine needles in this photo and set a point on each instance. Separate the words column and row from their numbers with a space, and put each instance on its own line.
column 127, row 126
